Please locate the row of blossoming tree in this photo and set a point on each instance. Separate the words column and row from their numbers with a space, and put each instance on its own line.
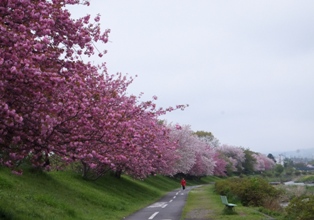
column 200, row 157
column 55, row 105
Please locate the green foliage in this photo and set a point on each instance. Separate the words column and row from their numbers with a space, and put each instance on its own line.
column 248, row 164
column 288, row 162
column 270, row 156
column 297, row 172
column 279, row 169
column 204, row 134
column 310, row 189
column 5, row 183
column 307, row 179
column 269, row 212
column 228, row 211
column 289, row 171
column 267, row 174
column 301, row 208
column 250, row 191
column 208, row 137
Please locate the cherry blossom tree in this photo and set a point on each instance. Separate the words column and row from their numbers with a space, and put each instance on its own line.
column 42, row 76
column 234, row 156
column 183, row 136
column 52, row 102
column 144, row 146
column 196, row 157
column 205, row 160
column 221, row 164
column 263, row 163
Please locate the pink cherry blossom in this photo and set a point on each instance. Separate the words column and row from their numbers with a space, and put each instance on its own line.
column 54, row 103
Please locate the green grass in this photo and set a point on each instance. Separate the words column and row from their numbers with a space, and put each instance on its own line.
column 204, row 203
column 65, row 195
column 306, row 178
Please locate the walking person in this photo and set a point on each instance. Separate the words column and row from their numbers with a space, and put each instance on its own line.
column 183, row 183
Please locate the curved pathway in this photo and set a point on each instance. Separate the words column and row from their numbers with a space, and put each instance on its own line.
column 167, row 208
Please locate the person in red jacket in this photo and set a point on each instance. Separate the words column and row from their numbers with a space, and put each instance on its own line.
column 183, row 183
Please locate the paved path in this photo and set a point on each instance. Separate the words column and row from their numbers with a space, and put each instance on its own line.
column 167, row 208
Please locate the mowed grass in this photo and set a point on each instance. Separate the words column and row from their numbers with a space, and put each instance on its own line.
column 204, row 203
column 65, row 195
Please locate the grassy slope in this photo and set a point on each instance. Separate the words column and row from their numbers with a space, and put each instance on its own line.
column 64, row 195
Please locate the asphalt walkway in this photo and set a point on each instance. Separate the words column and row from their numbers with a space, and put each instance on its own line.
column 168, row 207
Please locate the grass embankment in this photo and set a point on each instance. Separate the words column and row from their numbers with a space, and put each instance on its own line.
column 65, row 195
column 204, row 203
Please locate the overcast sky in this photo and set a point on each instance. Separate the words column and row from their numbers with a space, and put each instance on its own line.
column 246, row 68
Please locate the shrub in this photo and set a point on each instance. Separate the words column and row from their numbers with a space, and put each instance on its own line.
column 254, row 191
column 301, row 208
column 297, row 173
column 308, row 178
column 250, row 191
column 222, row 187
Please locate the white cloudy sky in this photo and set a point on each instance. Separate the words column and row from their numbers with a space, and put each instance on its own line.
column 246, row 68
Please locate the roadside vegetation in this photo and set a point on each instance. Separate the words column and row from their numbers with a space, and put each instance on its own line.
column 255, row 199
column 267, row 193
column 252, row 192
